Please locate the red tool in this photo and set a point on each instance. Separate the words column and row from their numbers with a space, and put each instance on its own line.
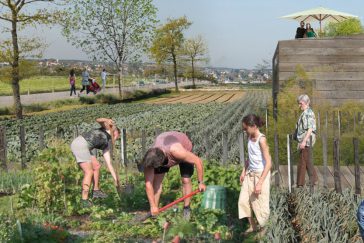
column 179, row 200
column 170, row 204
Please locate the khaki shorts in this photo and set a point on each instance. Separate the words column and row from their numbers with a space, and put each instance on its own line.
column 249, row 201
column 80, row 150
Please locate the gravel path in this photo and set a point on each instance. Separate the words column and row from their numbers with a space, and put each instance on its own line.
column 46, row 97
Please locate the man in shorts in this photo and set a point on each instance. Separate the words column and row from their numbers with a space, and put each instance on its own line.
column 170, row 149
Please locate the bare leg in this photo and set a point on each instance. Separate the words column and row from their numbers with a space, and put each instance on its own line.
column 187, row 189
column 96, row 170
column 253, row 226
column 157, row 186
column 87, row 177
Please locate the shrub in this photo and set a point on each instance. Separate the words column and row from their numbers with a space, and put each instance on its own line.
column 347, row 27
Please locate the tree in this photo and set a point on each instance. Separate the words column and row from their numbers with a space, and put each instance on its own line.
column 195, row 50
column 19, row 14
column 111, row 30
column 168, row 43
column 347, row 27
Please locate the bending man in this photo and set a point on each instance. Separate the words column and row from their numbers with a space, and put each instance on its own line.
column 170, row 149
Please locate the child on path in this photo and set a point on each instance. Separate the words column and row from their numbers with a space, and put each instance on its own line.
column 255, row 177
column 72, row 79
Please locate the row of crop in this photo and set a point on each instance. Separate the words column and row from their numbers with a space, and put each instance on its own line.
column 325, row 216
column 228, row 122
column 129, row 116
column 11, row 182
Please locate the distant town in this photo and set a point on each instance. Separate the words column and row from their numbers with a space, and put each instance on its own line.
column 263, row 74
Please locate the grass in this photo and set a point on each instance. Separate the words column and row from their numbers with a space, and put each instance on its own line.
column 69, row 104
column 43, row 84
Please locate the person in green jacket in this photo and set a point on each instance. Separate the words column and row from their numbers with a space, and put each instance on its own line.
column 310, row 33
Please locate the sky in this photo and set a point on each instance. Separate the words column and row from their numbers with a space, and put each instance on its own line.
column 238, row 33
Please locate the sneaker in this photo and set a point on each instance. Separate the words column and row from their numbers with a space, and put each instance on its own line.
column 86, row 203
column 99, row 194
column 187, row 212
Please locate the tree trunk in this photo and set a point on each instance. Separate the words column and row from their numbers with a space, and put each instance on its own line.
column 175, row 71
column 120, row 78
column 193, row 74
column 15, row 70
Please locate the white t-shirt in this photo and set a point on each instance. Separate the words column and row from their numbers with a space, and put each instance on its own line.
column 103, row 75
column 256, row 159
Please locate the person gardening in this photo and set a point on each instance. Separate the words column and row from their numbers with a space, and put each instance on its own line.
column 170, row 149
column 84, row 149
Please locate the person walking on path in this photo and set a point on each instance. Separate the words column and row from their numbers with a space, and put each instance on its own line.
column 170, row 149
column 301, row 31
column 72, row 79
column 84, row 148
column 85, row 82
column 305, row 134
column 103, row 78
column 255, row 177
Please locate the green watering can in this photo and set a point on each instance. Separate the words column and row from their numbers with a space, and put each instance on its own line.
column 214, row 198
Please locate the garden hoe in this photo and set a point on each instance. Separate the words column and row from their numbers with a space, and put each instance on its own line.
column 142, row 218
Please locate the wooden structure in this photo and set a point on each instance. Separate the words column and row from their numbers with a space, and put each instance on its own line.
column 347, row 176
column 335, row 65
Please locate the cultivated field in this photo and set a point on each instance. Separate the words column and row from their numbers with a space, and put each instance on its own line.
column 202, row 97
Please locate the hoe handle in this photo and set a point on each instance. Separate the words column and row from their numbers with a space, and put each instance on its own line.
column 179, row 200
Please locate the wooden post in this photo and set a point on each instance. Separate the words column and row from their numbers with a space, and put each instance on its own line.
column 318, row 123
column 324, row 157
column 354, row 124
column 22, row 147
column 3, row 161
column 224, row 149
column 289, row 163
column 144, row 143
column 157, row 131
column 276, row 158
column 266, row 122
column 326, row 124
column 207, row 146
column 291, row 156
column 41, row 138
column 337, row 176
column 339, row 122
column 241, row 148
column 357, row 166
column 310, row 173
column 123, row 153
column 77, row 132
column 333, row 124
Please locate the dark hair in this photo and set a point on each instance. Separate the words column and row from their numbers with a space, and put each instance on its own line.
column 253, row 120
column 72, row 72
column 154, row 158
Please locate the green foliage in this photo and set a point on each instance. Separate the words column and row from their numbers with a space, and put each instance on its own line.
column 168, row 43
column 11, row 182
column 55, row 187
column 8, row 229
column 279, row 227
column 116, row 31
column 325, row 216
column 344, row 28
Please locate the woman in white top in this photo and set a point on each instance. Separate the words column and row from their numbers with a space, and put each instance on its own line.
column 255, row 177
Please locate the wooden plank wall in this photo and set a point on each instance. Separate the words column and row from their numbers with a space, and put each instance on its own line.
column 335, row 65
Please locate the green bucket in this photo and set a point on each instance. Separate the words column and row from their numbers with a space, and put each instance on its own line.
column 214, row 197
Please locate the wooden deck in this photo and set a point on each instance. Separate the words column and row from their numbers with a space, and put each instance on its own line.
column 346, row 172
